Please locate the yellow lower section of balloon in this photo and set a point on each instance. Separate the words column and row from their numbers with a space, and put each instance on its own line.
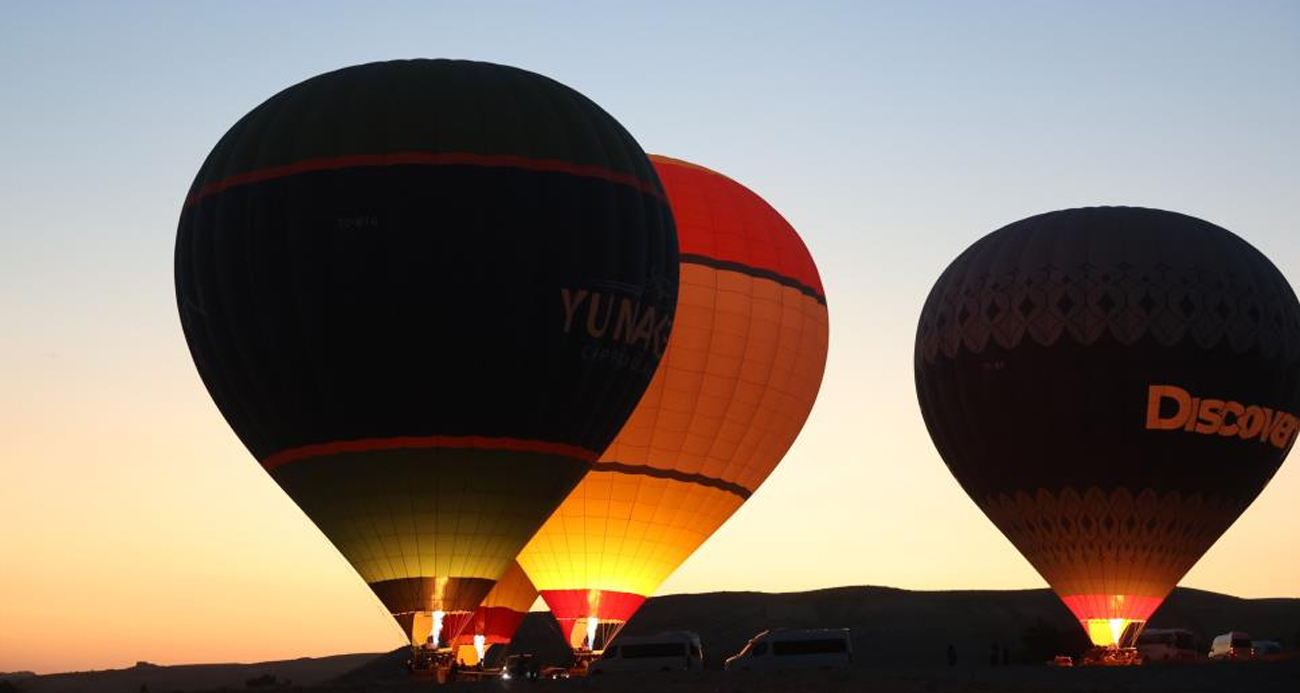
column 1108, row 632
column 624, row 532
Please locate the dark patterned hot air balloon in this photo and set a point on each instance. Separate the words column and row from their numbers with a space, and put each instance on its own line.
column 1112, row 386
column 738, row 381
column 426, row 295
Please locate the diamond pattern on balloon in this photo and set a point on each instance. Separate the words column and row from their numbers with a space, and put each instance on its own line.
column 1114, row 542
column 1126, row 302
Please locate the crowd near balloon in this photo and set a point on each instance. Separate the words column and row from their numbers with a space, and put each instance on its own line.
column 494, row 350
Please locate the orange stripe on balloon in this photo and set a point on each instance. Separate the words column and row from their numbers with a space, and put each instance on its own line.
column 427, row 442
column 424, row 159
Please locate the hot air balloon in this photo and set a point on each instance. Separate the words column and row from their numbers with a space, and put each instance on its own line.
column 735, row 386
column 426, row 294
column 1112, row 386
column 495, row 621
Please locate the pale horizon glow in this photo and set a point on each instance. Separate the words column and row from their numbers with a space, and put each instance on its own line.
column 891, row 135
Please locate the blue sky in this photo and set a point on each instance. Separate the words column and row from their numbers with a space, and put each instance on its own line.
column 891, row 135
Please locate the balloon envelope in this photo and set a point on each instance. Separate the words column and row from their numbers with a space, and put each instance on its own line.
column 1112, row 386
column 386, row 276
column 495, row 621
column 736, row 384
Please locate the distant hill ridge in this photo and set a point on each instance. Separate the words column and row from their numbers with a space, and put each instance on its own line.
column 890, row 626
column 153, row 678
column 897, row 626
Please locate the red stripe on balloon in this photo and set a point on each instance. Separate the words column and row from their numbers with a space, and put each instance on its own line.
column 497, row 625
column 427, row 442
column 423, row 159
column 570, row 606
column 720, row 219
column 1109, row 606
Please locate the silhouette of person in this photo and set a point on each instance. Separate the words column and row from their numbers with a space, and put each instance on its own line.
column 993, row 655
column 952, row 655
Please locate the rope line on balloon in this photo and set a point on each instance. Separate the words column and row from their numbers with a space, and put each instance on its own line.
column 798, row 341
column 771, row 366
column 709, row 349
column 751, row 270
column 674, row 475
column 412, row 593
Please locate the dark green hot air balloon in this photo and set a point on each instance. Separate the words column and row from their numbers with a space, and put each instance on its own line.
column 1113, row 386
column 426, row 294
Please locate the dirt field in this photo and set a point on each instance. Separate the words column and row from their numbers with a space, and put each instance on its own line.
column 1252, row 677
column 1257, row 677
column 900, row 643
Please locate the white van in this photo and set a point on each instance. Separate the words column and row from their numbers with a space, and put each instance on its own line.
column 795, row 648
column 1167, row 645
column 1232, row 645
column 673, row 651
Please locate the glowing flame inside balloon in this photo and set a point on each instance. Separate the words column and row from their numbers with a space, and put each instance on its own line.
column 1116, row 629
column 592, row 622
column 480, row 645
column 437, row 627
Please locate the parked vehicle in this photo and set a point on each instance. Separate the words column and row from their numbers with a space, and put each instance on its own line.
column 1232, row 645
column 1266, row 649
column 1168, row 645
column 795, row 648
column 673, row 651
column 521, row 666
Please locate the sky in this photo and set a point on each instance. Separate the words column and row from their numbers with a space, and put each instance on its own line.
column 891, row 135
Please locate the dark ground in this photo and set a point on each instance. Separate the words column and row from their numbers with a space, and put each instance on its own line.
column 892, row 627
column 1252, row 677
column 900, row 641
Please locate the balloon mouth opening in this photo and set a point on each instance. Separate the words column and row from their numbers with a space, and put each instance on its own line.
column 593, row 634
column 1112, row 620
column 590, row 618
column 1113, row 632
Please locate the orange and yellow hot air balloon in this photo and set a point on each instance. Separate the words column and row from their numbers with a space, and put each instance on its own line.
column 737, row 382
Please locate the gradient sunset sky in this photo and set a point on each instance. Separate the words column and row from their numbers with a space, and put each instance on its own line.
column 892, row 135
